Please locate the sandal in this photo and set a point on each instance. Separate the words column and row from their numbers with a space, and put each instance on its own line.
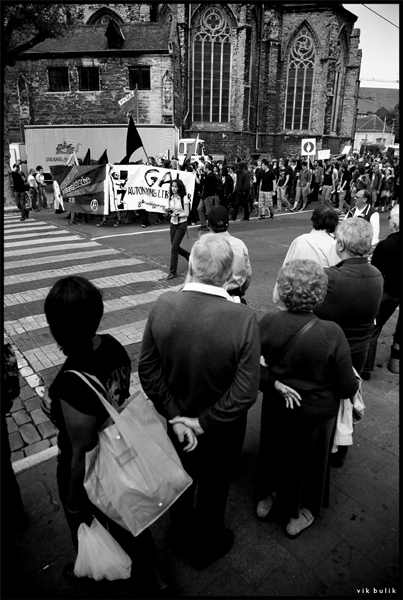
column 101, row 224
column 296, row 526
column 264, row 507
column 118, row 224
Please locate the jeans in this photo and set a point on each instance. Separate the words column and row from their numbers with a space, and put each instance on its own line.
column 42, row 198
column 326, row 195
column 301, row 192
column 20, row 202
column 282, row 198
column 342, row 200
column 387, row 307
column 177, row 233
column 34, row 194
column 205, row 205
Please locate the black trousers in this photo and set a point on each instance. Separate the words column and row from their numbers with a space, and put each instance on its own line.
column 242, row 200
column 211, row 465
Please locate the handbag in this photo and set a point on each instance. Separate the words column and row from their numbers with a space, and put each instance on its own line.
column 351, row 411
column 134, row 474
column 265, row 377
column 99, row 554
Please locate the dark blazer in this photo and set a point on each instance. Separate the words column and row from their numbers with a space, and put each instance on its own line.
column 353, row 296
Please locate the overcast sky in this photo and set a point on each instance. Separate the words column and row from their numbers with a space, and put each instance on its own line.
column 379, row 42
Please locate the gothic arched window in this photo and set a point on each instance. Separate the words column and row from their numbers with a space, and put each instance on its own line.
column 212, row 68
column 300, row 72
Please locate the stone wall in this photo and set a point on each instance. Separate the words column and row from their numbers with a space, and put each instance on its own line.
column 101, row 106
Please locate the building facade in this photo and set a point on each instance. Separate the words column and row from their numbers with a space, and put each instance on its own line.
column 246, row 77
column 372, row 130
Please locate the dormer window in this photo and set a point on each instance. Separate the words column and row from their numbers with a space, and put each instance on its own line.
column 115, row 36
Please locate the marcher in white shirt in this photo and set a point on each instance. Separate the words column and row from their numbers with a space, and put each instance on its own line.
column 241, row 277
column 365, row 211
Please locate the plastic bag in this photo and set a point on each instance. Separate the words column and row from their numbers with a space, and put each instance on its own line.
column 99, row 555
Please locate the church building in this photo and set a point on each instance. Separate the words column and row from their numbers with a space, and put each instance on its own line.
column 247, row 77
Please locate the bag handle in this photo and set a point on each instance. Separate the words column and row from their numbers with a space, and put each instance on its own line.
column 85, row 377
column 297, row 336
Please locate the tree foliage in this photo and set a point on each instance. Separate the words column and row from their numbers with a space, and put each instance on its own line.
column 27, row 24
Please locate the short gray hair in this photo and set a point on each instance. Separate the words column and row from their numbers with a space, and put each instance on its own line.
column 302, row 285
column 356, row 235
column 211, row 260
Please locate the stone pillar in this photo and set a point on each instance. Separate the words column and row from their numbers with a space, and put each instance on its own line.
column 351, row 88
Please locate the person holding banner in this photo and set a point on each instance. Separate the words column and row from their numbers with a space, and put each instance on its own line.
column 178, row 210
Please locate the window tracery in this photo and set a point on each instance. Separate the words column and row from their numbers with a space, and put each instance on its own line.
column 212, row 67
column 300, row 72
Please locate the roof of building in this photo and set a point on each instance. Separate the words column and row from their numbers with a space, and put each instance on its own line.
column 138, row 37
column 372, row 99
column 371, row 123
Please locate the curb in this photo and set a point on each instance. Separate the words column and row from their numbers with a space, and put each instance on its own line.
column 31, row 461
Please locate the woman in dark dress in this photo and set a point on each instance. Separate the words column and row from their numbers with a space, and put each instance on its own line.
column 74, row 309
column 310, row 378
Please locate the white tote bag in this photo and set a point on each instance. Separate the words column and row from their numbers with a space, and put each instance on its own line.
column 134, row 474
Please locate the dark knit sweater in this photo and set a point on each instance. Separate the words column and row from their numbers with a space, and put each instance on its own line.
column 352, row 300
column 387, row 257
column 200, row 357
column 318, row 366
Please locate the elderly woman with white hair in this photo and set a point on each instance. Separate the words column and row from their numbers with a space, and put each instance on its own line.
column 308, row 369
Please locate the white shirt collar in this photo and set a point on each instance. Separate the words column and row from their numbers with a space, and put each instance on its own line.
column 206, row 289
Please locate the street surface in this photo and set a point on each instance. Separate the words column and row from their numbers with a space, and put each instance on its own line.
column 129, row 264
column 352, row 550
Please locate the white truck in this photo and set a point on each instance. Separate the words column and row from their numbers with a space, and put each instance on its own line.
column 183, row 148
column 48, row 145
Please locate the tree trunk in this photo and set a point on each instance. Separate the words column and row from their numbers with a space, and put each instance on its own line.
column 8, row 190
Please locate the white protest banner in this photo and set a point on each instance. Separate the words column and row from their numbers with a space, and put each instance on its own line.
column 323, row 154
column 143, row 187
column 308, row 147
column 346, row 150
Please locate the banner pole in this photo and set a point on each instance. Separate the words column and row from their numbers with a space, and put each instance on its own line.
column 145, row 152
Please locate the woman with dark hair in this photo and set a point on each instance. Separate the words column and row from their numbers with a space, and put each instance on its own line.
column 74, row 309
column 309, row 375
column 318, row 245
column 178, row 210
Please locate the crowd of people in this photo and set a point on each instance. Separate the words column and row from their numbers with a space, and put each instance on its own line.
column 205, row 356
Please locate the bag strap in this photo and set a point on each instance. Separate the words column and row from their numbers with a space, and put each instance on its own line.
column 297, row 336
column 86, row 377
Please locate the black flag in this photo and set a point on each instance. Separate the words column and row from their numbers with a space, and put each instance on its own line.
column 133, row 141
column 104, row 159
column 87, row 158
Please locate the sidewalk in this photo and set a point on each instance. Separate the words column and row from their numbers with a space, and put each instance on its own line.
column 351, row 551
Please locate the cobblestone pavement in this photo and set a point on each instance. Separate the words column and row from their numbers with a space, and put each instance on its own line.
column 36, row 254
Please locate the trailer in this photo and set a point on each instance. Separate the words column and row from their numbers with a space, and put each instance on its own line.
column 48, row 145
